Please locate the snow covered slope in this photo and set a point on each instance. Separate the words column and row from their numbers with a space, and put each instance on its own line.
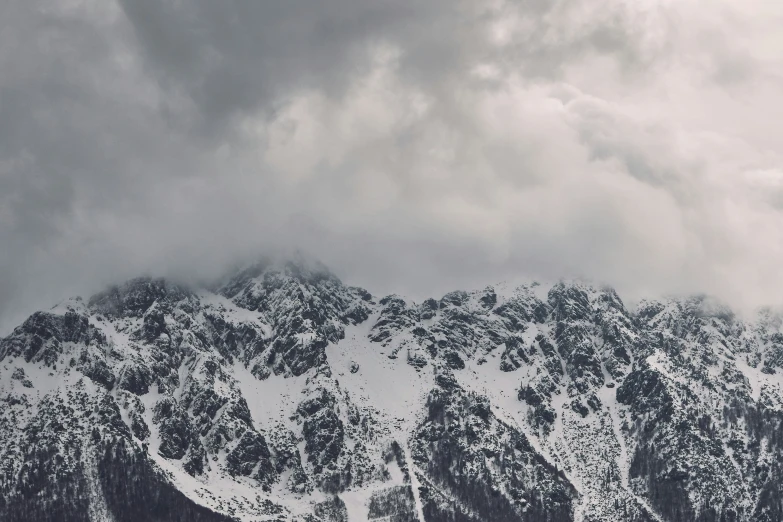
column 283, row 394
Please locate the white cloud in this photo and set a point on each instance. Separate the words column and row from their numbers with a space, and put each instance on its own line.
column 414, row 148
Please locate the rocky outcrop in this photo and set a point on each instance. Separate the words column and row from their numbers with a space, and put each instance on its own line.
column 487, row 469
column 324, row 436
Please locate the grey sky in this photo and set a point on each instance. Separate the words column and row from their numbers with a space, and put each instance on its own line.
column 412, row 146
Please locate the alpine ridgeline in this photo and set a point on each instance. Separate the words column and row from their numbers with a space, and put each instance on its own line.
column 283, row 394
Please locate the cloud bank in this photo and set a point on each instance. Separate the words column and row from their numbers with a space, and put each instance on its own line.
column 414, row 147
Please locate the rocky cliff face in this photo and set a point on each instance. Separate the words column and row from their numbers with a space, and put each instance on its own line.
column 282, row 394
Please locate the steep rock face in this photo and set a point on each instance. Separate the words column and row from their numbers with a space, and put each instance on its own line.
column 589, row 333
column 700, row 453
column 282, row 394
column 324, row 436
column 78, row 463
column 476, row 467
column 306, row 307
column 395, row 503
column 41, row 338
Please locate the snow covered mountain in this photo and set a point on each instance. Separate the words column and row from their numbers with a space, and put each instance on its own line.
column 283, row 394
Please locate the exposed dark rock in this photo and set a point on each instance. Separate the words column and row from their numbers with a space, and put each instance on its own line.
column 135, row 297
column 94, row 366
column 332, row 510
column 460, row 442
column 40, row 338
column 514, row 355
column 251, row 454
column 136, row 378
column 428, row 309
column 395, row 316
column 176, row 430
column 324, row 434
column 394, row 503
column 21, row 376
column 489, row 299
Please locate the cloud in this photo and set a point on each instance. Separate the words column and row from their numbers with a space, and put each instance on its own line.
column 414, row 147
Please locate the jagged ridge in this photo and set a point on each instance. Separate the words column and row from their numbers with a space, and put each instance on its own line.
column 281, row 393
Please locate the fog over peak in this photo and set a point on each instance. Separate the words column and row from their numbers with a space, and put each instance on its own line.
column 412, row 147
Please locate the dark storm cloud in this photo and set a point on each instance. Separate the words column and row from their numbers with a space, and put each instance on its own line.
column 413, row 146
column 233, row 57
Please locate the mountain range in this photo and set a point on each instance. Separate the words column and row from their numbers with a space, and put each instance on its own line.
column 281, row 393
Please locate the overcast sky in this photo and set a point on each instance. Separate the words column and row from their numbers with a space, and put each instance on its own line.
column 412, row 146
